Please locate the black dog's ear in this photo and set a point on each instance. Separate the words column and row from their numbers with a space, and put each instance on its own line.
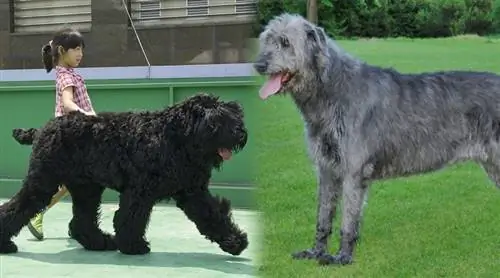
column 235, row 108
column 203, row 121
column 214, row 118
column 204, row 100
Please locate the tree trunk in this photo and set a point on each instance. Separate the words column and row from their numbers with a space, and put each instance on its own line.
column 312, row 11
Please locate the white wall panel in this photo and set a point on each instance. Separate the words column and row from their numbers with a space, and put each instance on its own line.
column 51, row 15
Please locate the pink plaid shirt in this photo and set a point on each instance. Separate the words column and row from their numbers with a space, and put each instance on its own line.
column 66, row 77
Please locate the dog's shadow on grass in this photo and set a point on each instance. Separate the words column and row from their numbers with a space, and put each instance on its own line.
column 222, row 263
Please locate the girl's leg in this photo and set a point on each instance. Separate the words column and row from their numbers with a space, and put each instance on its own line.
column 36, row 223
column 63, row 191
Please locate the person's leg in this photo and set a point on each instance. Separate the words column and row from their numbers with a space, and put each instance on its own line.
column 63, row 191
column 35, row 225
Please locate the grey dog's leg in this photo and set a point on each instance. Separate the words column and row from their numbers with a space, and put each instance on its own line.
column 353, row 196
column 493, row 171
column 360, row 222
column 328, row 193
column 365, row 203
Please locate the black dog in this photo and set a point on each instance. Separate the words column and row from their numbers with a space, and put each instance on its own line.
column 146, row 157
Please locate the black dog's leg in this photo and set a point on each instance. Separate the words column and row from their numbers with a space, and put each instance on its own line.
column 130, row 223
column 35, row 194
column 212, row 216
column 353, row 195
column 329, row 189
column 84, row 226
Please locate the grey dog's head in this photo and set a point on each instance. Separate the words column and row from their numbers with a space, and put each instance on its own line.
column 291, row 49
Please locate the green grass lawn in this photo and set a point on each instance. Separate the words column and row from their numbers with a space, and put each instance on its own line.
column 445, row 224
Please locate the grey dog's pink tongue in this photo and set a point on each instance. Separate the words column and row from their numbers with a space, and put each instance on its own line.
column 271, row 87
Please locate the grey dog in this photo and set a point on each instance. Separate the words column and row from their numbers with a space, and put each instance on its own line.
column 365, row 123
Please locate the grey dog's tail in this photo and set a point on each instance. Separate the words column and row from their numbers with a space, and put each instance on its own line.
column 25, row 136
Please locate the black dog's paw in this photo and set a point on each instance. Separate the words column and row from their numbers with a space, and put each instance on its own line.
column 105, row 243
column 234, row 244
column 109, row 243
column 308, row 254
column 8, row 247
column 95, row 241
column 135, row 248
column 339, row 259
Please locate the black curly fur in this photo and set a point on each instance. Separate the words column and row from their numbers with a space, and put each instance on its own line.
column 146, row 157
column 24, row 136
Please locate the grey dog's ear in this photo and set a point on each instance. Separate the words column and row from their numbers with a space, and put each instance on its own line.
column 316, row 34
column 318, row 38
column 321, row 34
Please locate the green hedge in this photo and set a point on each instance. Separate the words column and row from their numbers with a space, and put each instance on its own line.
column 394, row 18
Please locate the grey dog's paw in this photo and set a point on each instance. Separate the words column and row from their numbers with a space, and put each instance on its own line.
column 339, row 259
column 308, row 254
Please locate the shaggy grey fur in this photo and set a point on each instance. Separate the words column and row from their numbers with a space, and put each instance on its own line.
column 364, row 123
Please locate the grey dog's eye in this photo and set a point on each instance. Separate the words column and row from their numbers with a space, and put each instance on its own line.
column 284, row 42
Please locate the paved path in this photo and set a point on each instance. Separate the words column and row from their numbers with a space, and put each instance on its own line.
column 177, row 250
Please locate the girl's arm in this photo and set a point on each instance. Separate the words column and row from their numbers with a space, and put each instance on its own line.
column 69, row 104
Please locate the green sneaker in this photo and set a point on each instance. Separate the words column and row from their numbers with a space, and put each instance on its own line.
column 36, row 226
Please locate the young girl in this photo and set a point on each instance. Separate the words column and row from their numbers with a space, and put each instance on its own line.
column 64, row 51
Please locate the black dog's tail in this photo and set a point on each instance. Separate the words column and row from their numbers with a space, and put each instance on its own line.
column 25, row 136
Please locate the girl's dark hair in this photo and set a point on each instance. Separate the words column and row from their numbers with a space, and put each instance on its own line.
column 63, row 40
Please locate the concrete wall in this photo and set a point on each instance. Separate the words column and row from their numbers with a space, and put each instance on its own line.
column 111, row 42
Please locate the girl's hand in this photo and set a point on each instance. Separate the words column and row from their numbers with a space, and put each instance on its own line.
column 91, row 113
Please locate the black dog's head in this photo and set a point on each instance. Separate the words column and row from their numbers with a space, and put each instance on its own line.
column 215, row 126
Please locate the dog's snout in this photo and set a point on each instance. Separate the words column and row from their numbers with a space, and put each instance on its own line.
column 261, row 64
